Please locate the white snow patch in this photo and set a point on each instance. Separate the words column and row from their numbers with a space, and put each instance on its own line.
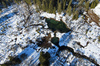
column 96, row 10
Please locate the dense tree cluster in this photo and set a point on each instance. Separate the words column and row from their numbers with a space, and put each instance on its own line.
column 50, row 6
column 53, row 6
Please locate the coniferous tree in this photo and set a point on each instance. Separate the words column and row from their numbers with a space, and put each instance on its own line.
column 75, row 15
column 47, row 6
column 94, row 3
column 34, row 1
column 59, row 7
column 38, row 4
column 54, row 11
column 87, row 5
column 44, row 58
column 69, row 8
column 51, row 6
column 64, row 4
column 43, row 6
column 97, row 1
column 70, row 3
column 73, row 10
column 4, row 4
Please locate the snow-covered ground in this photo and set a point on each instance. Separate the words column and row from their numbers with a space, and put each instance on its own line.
column 16, row 34
column 84, row 37
column 96, row 10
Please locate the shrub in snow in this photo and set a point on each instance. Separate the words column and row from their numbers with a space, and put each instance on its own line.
column 23, row 56
column 99, row 39
column 44, row 43
column 44, row 59
column 13, row 61
column 55, row 40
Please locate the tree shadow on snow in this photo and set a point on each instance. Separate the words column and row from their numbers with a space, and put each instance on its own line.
column 64, row 40
column 4, row 18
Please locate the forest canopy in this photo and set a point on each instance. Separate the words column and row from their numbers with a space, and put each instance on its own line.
column 53, row 6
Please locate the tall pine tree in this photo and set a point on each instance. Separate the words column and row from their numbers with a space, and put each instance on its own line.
column 59, row 7
column 38, row 4
column 54, row 10
column 64, row 4
column 43, row 5
column 94, row 3
column 51, row 6
column 69, row 8
column 87, row 5
column 75, row 15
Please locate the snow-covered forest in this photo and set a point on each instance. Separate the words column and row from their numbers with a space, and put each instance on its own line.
column 49, row 33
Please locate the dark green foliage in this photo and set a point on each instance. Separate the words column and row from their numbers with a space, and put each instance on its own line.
column 87, row 5
column 55, row 40
column 51, row 6
column 57, row 25
column 75, row 15
column 44, row 59
column 70, row 3
column 4, row 4
column 34, row 1
column 3, row 65
column 13, row 61
column 94, row 3
column 23, row 56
